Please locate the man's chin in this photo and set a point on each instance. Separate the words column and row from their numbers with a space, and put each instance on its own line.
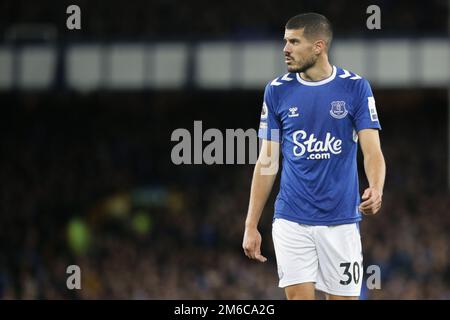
column 294, row 69
column 298, row 69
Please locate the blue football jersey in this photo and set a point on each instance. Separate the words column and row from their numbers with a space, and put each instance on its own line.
column 317, row 125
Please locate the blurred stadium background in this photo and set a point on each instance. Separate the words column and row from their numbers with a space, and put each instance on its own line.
column 86, row 119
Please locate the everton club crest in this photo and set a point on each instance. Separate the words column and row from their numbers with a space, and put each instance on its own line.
column 338, row 109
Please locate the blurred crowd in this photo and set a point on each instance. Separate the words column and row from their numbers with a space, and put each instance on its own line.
column 163, row 19
column 87, row 180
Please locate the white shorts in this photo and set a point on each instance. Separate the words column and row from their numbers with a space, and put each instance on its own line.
column 329, row 256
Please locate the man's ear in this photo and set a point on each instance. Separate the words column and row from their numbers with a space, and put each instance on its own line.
column 319, row 46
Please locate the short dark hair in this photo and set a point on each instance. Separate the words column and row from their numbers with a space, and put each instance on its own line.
column 316, row 26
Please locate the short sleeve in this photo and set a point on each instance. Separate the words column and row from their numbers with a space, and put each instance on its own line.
column 269, row 126
column 365, row 115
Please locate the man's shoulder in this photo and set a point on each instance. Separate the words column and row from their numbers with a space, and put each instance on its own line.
column 280, row 82
column 350, row 80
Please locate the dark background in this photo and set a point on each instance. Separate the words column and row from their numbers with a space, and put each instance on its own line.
column 87, row 179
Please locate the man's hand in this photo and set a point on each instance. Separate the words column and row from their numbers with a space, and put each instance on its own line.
column 371, row 204
column 252, row 244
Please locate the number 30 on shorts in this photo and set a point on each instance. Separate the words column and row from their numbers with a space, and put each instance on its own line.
column 352, row 271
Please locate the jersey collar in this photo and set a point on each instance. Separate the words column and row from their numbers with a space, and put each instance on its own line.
column 317, row 83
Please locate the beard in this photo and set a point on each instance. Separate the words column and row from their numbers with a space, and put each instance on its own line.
column 298, row 68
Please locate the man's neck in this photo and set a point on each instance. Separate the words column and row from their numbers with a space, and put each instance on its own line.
column 318, row 72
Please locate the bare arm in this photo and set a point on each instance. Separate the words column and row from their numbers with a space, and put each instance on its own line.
column 375, row 169
column 264, row 176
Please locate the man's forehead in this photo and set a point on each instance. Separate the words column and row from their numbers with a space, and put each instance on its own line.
column 293, row 33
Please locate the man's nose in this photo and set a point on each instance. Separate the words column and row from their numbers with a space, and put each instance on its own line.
column 287, row 48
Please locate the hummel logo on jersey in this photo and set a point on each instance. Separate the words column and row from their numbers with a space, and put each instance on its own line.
column 317, row 149
column 275, row 81
column 293, row 112
column 347, row 74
